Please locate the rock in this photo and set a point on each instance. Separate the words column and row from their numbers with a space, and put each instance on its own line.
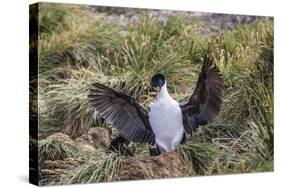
column 95, row 138
column 84, row 143
column 162, row 166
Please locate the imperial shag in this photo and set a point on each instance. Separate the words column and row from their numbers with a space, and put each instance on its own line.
column 168, row 121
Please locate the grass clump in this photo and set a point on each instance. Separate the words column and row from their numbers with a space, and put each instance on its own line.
column 57, row 147
column 90, row 167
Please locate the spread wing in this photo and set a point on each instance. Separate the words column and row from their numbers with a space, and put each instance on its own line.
column 204, row 104
column 125, row 114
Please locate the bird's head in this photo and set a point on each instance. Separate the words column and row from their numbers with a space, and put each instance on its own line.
column 157, row 81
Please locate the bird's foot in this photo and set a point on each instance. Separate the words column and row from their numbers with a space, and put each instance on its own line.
column 154, row 151
column 119, row 144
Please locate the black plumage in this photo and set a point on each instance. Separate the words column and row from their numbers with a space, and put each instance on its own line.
column 204, row 104
column 123, row 112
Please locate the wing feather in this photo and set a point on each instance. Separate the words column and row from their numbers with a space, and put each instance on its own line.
column 204, row 104
column 125, row 114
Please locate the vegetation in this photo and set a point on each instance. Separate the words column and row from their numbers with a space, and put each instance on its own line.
column 78, row 47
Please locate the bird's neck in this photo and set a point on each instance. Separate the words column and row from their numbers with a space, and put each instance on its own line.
column 163, row 93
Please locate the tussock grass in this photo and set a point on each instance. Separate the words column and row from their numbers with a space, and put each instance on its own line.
column 57, row 147
column 78, row 47
column 91, row 167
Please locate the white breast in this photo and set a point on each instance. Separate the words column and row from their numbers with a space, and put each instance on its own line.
column 165, row 118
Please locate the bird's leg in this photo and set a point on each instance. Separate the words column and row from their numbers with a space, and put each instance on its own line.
column 183, row 139
column 119, row 144
column 154, row 151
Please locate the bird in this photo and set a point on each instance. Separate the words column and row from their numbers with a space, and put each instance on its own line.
column 168, row 121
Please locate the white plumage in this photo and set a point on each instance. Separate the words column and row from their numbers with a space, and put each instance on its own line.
column 165, row 118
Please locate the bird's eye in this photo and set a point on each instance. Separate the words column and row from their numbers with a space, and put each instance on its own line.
column 161, row 82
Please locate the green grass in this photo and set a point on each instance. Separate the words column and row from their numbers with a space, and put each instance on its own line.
column 78, row 47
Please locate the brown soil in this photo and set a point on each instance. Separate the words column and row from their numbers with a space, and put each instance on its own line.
column 162, row 166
